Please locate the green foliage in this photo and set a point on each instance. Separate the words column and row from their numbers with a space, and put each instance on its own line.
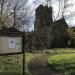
column 5, row 21
column 71, row 33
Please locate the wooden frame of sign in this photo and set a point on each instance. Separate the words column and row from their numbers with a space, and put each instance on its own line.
column 16, row 51
column 12, row 43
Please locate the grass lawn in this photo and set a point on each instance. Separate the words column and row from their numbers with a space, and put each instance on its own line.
column 64, row 64
column 12, row 64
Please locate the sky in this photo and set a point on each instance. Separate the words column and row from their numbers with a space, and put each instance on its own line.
column 70, row 19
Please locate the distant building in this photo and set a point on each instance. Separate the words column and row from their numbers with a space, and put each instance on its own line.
column 60, row 33
column 29, row 43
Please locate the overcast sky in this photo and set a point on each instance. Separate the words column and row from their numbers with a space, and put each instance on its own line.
column 70, row 19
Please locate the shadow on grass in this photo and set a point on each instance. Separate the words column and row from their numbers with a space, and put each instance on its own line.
column 66, row 69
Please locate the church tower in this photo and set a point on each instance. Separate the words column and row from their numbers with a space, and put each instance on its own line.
column 43, row 21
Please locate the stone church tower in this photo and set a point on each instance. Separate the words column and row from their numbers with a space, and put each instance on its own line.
column 43, row 23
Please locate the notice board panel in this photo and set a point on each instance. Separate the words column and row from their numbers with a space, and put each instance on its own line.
column 10, row 44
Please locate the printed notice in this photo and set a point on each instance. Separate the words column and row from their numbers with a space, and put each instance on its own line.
column 12, row 43
column 18, row 45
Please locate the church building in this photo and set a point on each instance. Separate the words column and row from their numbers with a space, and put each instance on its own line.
column 47, row 33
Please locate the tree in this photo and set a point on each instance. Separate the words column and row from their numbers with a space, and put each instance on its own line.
column 71, row 33
column 21, row 11
column 15, row 13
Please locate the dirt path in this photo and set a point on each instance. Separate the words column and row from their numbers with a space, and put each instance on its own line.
column 39, row 66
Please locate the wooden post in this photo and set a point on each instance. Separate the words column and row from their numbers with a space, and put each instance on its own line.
column 23, row 43
column 24, row 63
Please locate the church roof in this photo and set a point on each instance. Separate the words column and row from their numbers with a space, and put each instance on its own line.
column 10, row 32
column 61, row 22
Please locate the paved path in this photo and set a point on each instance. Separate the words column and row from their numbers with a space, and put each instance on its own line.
column 39, row 66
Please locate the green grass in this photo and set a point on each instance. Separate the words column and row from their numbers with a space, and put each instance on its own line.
column 56, row 50
column 60, row 50
column 12, row 64
column 63, row 63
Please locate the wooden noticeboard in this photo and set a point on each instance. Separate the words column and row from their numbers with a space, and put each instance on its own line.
column 12, row 42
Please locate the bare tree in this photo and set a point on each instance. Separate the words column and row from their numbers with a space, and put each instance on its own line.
column 63, row 7
column 15, row 13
